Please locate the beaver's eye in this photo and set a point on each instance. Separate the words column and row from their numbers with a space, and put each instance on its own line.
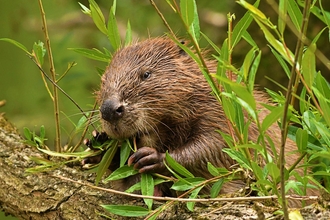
column 146, row 75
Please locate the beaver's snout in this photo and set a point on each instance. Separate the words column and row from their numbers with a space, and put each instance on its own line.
column 112, row 110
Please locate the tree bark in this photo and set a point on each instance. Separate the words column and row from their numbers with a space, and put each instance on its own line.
column 44, row 196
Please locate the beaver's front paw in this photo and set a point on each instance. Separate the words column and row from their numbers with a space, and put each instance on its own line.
column 147, row 159
column 97, row 140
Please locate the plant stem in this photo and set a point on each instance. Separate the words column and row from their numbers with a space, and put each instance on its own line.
column 289, row 98
column 162, row 17
column 53, row 75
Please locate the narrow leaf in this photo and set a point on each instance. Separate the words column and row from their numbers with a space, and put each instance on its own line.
column 301, row 139
column 216, row 188
column 126, row 210
column 193, row 195
column 106, row 161
column 271, row 118
column 97, row 16
column 147, row 188
column 295, row 14
column 113, row 32
column 308, row 65
column 177, row 167
column 121, row 173
column 92, row 54
column 187, row 11
column 17, row 44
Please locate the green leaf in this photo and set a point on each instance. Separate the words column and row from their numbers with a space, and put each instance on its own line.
column 113, row 32
column 187, row 8
column 27, row 133
column 243, row 93
column 273, row 171
column 97, row 16
column 241, row 26
column 106, row 160
column 253, row 71
column 114, row 6
column 239, row 157
column 126, row 210
column 228, row 108
column 125, row 151
column 193, row 195
column 68, row 155
column 216, row 188
column 212, row 169
column 214, row 46
column 187, row 183
column 92, row 54
column 194, row 27
column 82, row 121
column 308, row 65
column 177, row 167
column 283, row 8
column 326, row 15
column 122, row 173
column 280, row 60
column 301, row 139
column 42, row 132
column 271, row 118
column 245, row 69
column 243, row 103
column 285, row 52
column 39, row 52
column 147, row 188
column 84, row 9
column 255, row 11
column 295, row 14
column 322, row 92
column 258, row 172
column 128, row 37
column 294, row 186
column 17, row 44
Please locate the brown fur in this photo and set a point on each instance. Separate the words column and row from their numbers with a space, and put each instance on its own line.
column 172, row 110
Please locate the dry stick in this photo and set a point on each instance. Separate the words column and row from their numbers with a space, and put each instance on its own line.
column 159, row 198
column 284, row 130
column 53, row 75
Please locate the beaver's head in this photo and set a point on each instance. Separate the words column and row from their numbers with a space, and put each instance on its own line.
column 146, row 85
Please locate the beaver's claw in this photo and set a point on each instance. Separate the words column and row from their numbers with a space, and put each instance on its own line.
column 147, row 159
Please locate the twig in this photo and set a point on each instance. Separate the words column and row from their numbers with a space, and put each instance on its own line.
column 53, row 75
column 159, row 198
column 162, row 17
column 289, row 99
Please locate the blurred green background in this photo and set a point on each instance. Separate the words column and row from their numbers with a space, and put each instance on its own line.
column 28, row 104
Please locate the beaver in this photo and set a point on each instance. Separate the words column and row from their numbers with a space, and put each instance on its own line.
column 155, row 92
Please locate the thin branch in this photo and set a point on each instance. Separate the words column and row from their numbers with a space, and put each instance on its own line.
column 53, row 75
column 289, row 98
column 160, row 198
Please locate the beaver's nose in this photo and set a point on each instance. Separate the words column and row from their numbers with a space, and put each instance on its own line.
column 112, row 110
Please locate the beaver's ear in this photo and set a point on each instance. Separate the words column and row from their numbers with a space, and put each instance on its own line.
column 181, row 51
